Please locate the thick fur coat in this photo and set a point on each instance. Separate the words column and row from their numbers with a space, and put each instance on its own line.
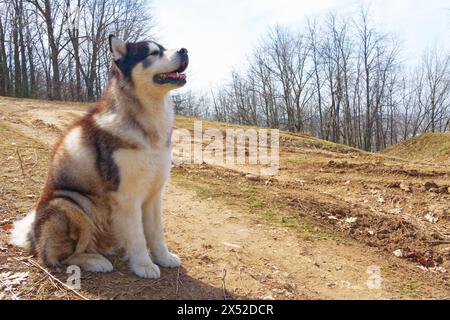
column 107, row 175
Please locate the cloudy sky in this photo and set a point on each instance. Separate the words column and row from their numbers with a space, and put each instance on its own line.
column 220, row 34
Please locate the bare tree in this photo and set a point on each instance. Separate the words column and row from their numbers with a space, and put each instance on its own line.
column 341, row 80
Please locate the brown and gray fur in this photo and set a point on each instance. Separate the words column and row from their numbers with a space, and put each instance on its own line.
column 106, row 177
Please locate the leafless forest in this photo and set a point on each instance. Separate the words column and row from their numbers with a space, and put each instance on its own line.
column 339, row 78
column 56, row 49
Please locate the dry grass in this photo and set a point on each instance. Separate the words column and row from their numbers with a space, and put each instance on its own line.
column 287, row 139
column 319, row 186
column 433, row 147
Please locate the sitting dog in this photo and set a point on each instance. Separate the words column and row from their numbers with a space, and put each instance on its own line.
column 107, row 174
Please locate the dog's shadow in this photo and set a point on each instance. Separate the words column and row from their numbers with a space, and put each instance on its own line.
column 122, row 284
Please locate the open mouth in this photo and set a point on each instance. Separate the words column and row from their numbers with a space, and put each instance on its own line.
column 175, row 77
column 170, row 77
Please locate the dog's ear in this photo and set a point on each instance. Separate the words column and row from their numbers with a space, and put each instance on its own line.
column 117, row 47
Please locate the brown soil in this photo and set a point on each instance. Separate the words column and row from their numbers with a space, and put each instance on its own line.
column 291, row 237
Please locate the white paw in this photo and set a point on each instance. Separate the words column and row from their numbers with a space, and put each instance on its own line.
column 98, row 265
column 145, row 269
column 168, row 260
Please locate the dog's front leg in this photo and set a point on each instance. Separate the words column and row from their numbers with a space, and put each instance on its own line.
column 130, row 231
column 154, row 233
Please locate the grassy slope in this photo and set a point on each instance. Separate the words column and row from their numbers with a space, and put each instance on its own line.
column 433, row 147
column 286, row 138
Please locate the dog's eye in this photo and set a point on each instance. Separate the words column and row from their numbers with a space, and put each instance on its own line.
column 154, row 53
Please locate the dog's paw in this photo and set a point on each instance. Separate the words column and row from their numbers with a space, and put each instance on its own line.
column 168, row 260
column 91, row 262
column 146, row 269
column 98, row 265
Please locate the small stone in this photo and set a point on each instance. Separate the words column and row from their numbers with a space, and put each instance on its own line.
column 393, row 185
column 251, row 177
column 430, row 185
column 351, row 220
column 232, row 245
column 398, row 253
column 405, row 187
column 431, row 218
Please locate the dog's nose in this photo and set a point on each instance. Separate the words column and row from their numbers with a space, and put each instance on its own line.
column 183, row 51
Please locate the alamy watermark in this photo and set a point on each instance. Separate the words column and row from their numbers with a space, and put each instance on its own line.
column 374, row 277
column 229, row 147
column 74, row 279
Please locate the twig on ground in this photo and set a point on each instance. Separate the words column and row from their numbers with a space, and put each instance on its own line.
column 24, row 147
column 25, row 292
column 20, row 161
column 10, row 290
column 36, row 159
column 178, row 279
column 438, row 242
column 224, row 274
column 53, row 278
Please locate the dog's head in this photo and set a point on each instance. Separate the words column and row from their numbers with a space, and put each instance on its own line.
column 149, row 66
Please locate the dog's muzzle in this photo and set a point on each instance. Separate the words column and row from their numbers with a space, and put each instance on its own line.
column 177, row 76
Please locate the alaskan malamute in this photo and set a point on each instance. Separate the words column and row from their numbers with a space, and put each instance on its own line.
column 107, row 174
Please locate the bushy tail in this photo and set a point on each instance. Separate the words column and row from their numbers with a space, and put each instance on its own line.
column 22, row 228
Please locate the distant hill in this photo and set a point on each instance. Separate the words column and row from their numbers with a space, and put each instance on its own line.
column 434, row 147
column 288, row 140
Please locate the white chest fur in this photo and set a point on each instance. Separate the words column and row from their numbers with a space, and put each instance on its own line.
column 143, row 171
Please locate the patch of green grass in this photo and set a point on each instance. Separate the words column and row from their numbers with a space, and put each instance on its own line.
column 252, row 199
column 248, row 190
column 411, row 288
column 307, row 230
column 341, row 162
column 202, row 192
column 255, row 202
column 268, row 214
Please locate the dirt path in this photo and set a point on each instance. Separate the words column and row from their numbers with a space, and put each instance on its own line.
column 226, row 252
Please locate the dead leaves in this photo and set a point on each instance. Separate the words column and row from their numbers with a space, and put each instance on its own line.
column 425, row 260
column 11, row 279
column 432, row 186
column 7, row 227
